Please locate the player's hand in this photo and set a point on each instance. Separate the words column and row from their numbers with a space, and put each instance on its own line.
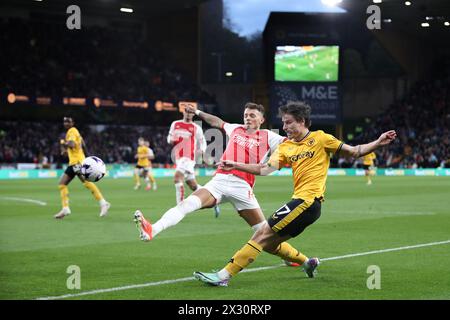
column 226, row 165
column 189, row 109
column 387, row 137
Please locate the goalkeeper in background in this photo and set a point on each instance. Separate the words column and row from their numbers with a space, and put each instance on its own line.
column 73, row 145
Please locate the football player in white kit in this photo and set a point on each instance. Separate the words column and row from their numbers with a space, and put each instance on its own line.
column 187, row 140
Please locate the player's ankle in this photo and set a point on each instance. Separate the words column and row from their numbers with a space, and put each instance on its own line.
column 224, row 274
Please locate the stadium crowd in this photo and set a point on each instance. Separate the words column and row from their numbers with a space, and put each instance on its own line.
column 422, row 122
column 45, row 59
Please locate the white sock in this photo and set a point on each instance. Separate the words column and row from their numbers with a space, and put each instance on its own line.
column 224, row 274
column 176, row 214
column 179, row 191
column 258, row 226
column 102, row 202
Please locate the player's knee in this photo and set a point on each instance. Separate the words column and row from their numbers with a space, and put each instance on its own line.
column 191, row 203
column 178, row 179
column 258, row 226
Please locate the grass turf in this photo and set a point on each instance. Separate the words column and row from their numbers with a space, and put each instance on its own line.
column 36, row 250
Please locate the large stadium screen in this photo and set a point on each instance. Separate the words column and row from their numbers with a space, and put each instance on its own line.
column 306, row 63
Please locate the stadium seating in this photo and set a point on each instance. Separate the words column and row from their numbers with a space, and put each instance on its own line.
column 422, row 122
column 43, row 59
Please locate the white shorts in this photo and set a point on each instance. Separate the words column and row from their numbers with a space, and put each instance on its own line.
column 229, row 188
column 187, row 167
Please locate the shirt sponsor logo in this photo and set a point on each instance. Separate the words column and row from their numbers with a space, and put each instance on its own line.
column 304, row 154
column 245, row 141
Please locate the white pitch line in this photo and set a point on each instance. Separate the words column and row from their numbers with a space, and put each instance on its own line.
column 151, row 284
column 41, row 203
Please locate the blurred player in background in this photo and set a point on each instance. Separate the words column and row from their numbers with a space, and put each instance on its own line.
column 143, row 168
column 368, row 165
column 150, row 167
column 73, row 145
column 308, row 153
column 188, row 141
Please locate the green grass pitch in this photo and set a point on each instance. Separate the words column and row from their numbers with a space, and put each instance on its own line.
column 395, row 212
column 320, row 65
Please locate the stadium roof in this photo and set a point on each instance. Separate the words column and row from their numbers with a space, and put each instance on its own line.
column 141, row 8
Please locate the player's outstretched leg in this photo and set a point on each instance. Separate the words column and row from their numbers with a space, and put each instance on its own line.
column 144, row 226
column 169, row 219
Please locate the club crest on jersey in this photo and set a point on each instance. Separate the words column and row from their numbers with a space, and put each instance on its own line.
column 310, row 142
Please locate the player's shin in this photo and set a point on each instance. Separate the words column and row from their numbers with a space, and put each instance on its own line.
column 64, row 192
column 289, row 253
column 179, row 191
column 136, row 178
column 176, row 214
column 242, row 258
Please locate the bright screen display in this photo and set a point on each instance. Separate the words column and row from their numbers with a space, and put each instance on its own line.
column 307, row 63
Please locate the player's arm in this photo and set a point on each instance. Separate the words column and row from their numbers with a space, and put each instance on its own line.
column 65, row 145
column 213, row 121
column 260, row 169
column 363, row 149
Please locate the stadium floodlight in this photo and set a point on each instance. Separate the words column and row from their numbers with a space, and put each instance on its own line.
column 387, row 20
column 127, row 10
column 377, row 1
column 331, row 3
column 407, row 3
column 229, row 74
column 446, row 23
column 425, row 24
column 429, row 18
